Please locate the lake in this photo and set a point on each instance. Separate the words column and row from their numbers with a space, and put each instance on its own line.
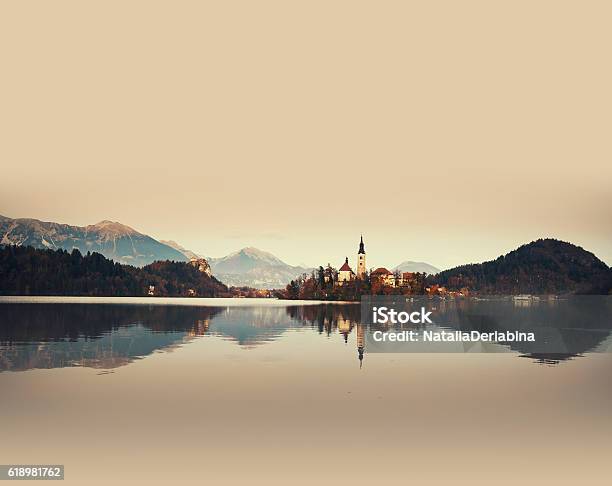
column 229, row 391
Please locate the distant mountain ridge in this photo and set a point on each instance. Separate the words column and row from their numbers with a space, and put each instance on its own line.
column 113, row 240
column 187, row 253
column 543, row 266
column 254, row 268
column 421, row 267
column 246, row 267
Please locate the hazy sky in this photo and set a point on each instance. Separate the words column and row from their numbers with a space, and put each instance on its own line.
column 445, row 132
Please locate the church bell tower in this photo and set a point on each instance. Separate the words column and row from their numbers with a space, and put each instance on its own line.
column 361, row 264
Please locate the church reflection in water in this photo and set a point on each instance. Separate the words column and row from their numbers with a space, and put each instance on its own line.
column 103, row 336
column 106, row 336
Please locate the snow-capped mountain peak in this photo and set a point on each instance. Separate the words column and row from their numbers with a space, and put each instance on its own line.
column 255, row 268
column 110, row 238
column 111, row 229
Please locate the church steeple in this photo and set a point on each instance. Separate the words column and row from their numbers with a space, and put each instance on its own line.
column 360, row 342
column 361, row 263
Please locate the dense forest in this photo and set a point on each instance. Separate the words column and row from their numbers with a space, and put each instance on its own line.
column 29, row 271
column 545, row 266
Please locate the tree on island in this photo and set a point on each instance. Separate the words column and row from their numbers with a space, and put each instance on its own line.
column 323, row 285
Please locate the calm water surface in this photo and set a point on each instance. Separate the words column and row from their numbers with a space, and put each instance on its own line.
column 126, row 391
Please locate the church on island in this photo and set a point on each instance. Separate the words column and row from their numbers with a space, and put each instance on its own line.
column 381, row 275
column 346, row 274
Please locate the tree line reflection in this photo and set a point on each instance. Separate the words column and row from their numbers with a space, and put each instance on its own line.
column 107, row 336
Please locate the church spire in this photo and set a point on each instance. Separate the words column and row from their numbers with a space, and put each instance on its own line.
column 360, row 343
column 361, row 257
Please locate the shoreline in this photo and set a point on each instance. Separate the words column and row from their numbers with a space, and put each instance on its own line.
column 180, row 301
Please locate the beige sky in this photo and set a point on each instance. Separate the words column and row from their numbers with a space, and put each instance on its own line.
column 446, row 132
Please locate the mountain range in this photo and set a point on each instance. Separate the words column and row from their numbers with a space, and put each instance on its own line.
column 113, row 240
column 254, row 268
column 187, row 253
column 247, row 267
column 542, row 266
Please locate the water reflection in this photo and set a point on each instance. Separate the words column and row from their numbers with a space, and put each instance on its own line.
column 563, row 327
column 96, row 336
column 107, row 336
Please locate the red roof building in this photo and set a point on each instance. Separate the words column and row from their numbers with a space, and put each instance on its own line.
column 383, row 275
column 381, row 272
column 346, row 267
column 345, row 274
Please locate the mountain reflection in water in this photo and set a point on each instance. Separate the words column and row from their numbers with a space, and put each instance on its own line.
column 107, row 336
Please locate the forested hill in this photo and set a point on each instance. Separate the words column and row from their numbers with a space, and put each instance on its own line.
column 545, row 266
column 30, row 271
